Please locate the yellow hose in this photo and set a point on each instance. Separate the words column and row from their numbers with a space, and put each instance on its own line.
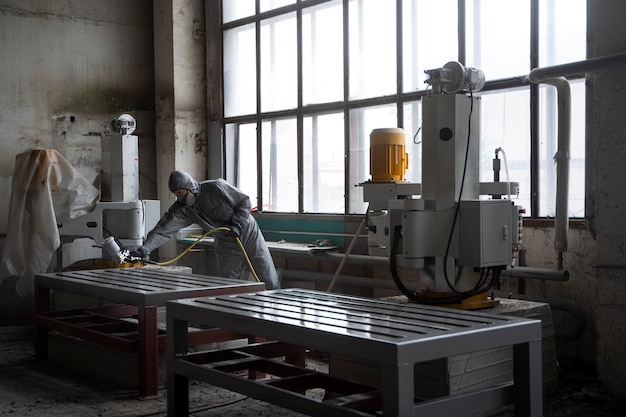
column 217, row 229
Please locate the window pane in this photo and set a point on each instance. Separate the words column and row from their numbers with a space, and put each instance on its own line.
column 236, row 9
column 239, row 71
column 562, row 31
column 419, row 51
column 280, row 166
column 274, row 4
column 505, row 123
column 549, row 145
column 322, row 53
column 372, row 48
column 247, row 162
column 362, row 122
column 413, row 140
column 498, row 37
column 279, row 69
column 324, row 164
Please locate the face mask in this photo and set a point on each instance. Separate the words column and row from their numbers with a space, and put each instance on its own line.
column 188, row 199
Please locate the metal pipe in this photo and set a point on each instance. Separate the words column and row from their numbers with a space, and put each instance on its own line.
column 561, row 158
column 354, row 281
column 352, row 258
column 578, row 67
column 555, row 75
column 536, row 273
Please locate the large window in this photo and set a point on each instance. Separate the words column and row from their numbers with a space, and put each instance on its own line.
column 306, row 81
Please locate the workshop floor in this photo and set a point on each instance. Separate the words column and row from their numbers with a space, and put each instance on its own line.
column 29, row 388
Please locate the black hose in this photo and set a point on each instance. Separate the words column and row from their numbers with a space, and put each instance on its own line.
column 456, row 298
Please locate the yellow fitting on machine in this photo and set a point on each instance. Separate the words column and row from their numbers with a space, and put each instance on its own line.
column 388, row 159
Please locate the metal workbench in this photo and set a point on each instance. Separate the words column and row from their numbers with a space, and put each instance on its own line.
column 392, row 336
column 126, row 319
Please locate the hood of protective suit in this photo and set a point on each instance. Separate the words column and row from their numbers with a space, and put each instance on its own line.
column 181, row 179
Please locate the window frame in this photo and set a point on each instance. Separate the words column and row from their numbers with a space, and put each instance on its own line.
column 400, row 99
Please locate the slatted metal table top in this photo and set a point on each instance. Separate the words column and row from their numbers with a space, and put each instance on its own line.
column 138, row 286
column 143, row 289
column 386, row 330
column 390, row 336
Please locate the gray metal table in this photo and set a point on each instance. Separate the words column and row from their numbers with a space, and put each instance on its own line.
column 393, row 336
column 131, row 293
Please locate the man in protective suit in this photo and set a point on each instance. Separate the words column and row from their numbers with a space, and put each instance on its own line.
column 212, row 204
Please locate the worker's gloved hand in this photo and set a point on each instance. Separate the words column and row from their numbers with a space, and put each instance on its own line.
column 234, row 231
column 140, row 253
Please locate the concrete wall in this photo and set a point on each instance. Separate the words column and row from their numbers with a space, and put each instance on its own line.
column 573, row 301
column 68, row 68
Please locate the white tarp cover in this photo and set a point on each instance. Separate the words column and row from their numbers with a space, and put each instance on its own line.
column 45, row 191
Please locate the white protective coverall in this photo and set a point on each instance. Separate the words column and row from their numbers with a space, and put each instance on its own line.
column 217, row 204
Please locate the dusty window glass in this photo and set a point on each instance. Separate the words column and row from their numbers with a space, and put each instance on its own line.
column 280, row 166
column 372, row 48
column 324, row 160
column 562, row 39
column 237, row 9
column 322, row 53
column 247, row 163
column 266, row 5
column 504, row 128
column 562, row 31
column 239, row 71
column 279, row 70
column 498, row 37
column 427, row 42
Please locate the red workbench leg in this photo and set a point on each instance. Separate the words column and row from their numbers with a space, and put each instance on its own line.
column 148, row 351
column 177, row 385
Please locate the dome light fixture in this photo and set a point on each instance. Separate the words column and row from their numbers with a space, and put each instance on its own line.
column 124, row 124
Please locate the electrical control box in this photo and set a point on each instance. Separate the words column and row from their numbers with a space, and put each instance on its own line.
column 485, row 233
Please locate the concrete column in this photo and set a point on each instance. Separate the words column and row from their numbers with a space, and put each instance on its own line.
column 608, row 140
column 180, row 90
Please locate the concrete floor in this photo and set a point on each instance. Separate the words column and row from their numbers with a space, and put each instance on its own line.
column 29, row 388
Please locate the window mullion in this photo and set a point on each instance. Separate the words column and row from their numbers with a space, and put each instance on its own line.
column 399, row 64
column 299, row 120
column 462, row 27
column 534, row 111
column 259, row 130
column 346, row 110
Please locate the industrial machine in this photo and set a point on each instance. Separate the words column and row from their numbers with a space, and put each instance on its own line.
column 121, row 218
column 459, row 232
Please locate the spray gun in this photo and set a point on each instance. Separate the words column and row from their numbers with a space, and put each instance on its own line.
column 119, row 253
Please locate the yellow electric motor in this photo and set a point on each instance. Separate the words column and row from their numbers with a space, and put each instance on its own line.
column 388, row 159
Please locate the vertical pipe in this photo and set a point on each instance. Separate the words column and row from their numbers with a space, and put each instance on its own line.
column 521, row 282
column 562, row 158
column 555, row 76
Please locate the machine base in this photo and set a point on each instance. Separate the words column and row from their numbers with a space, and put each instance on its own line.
column 474, row 302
